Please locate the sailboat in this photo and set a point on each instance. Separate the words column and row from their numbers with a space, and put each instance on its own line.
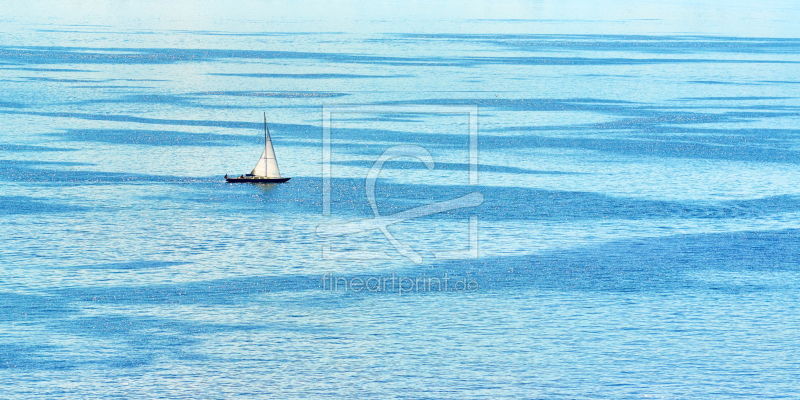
column 266, row 170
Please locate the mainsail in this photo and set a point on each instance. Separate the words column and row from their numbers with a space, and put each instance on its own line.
column 267, row 165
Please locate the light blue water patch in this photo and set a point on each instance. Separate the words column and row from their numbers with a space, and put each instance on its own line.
column 636, row 237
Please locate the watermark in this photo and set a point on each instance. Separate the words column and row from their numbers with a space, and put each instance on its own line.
column 382, row 222
column 398, row 284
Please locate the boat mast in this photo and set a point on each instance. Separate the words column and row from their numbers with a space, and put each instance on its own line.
column 266, row 166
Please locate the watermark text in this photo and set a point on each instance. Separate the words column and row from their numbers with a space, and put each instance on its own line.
column 398, row 284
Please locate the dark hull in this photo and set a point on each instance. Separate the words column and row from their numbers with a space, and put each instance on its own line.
column 256, row 180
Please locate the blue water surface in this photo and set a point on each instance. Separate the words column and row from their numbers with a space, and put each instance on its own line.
column 637, row 238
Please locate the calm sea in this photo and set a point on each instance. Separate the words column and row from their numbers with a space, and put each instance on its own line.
column 488, row 200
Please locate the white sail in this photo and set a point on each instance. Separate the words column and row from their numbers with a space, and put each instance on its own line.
column 267, row 165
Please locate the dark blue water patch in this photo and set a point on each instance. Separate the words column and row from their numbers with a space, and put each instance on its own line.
column 370, row 148
column 610, row 106
column 110, row 87
column 16, row 171
column 98, row 32
column 384, row 116
column 130, row 265
column 650, row 139
column 78, row 55
column 736, row 150
column 674, row 264
column 658, row 114
column 560, row 61
column 152, row 138
column 603, row 37
column 146, row 339
column 142, row 340
column 769, row 136
column 11, row 104
column 773, row 138
column 301, row 195
column 26, row 205
column 683, row 118
column 374, row 141
column 63, row 80
column 505, row 204
column 608, row 75
column 382, row 119
column 39, row 163
column 258, row 34
column 782, row 82
column 191, row 100
column 48, row 69
column 309, row 76
column 735, row 98
column 297, row 131
column 143, row 98
column 281, row 95
column 753, row 111
column 33, row 357
column 726, row 83
column 664, row 119
column 671, row 264
column 668, row 44
column 173, row 100
column 232, row 291
column 663, row 46
column 142, row 80
column 349, row 200
column 22, row 147
column 34, row 307
column 524, row 204
column 129, row 330
column 454, row 167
